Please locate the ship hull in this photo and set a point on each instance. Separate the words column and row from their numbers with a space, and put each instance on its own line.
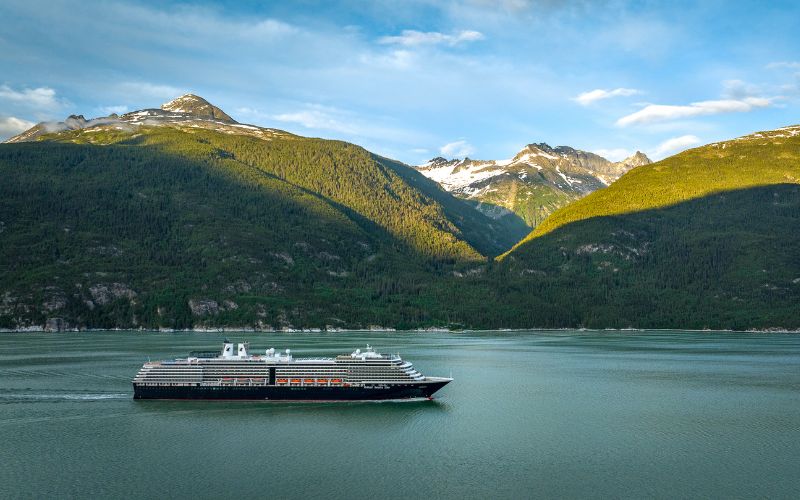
column 378, row 392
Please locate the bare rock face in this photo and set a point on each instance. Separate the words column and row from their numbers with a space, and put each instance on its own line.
column 196, row 106
column 54, row 299
column 186, row 111
column 535, row 182
column 203, row 307
column 55, row 325
column 104, row 293
column 8, row 303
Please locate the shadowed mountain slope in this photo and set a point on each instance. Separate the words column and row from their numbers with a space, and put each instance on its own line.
column 185, row 218
column 707, row 238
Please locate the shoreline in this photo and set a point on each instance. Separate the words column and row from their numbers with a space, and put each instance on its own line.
column 390, row 330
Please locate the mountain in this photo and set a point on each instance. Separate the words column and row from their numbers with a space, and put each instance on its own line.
column 196, row 106
column 186, row 112
column 535, row 182
column 181, row 217
column 707, row 238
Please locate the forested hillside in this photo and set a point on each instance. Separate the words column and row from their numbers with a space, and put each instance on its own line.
column 178, row 228
column 165, row 219
column 708, row 238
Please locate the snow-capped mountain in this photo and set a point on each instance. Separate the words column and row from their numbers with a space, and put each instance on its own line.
column 535, row 182
column 187, row 110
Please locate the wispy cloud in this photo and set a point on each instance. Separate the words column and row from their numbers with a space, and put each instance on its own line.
column 784, row 65
column 40, row 98
column 457, row 149
column 331, row 121
column 118, row 109
column 587, row 98
column 674, row 145
column 615, row 154
column 147, row 90
column 739, row 89
column 316, row 118
column 399, row 59
column 660, row 112
column 412, row 38
column 490, row 70
column 10, row 126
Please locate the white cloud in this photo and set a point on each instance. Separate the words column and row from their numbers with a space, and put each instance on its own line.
column 615, row 154
column 660, row 112
column 457, row 149
column 338, row 123
column 145, row 90
column 587, row 98
column 674, row 145
column 316, row 119
column 412, row 38
column 395, row 59
column 10, row 126
column 738, row 89
column 784, row 65
column 118, row 109
column 43, row 98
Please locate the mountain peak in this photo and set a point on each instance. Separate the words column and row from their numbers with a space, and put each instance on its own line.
column 636, row 160
column 195, row 105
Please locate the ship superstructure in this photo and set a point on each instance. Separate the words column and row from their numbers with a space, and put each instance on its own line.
column 361, row 375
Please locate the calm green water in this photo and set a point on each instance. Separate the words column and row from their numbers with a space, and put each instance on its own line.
column 544, row 414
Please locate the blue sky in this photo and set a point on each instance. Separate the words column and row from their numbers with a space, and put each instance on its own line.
column 416, row 79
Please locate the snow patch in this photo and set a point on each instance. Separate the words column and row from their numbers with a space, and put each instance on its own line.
column 460, row 176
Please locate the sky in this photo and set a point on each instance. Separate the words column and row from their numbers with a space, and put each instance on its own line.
column 417, row 79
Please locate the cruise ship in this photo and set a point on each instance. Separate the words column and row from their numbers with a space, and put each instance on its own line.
column 278, row 376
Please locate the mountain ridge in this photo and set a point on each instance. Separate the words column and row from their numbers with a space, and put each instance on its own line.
column 166, row 220
column 706, row 238
column 536, row 181
column 188, row 110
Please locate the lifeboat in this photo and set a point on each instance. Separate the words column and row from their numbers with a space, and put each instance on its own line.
column 295, row 380
column 322, row 381
column 336, row 381
column 282, row 381
column 309, row 381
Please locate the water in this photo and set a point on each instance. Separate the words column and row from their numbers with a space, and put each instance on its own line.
column 534, row 414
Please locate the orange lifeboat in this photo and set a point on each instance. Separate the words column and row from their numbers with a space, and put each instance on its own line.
column 322, row 381
column 295, row 380
column 309, row 381
column 336, row 381
column 281, row 380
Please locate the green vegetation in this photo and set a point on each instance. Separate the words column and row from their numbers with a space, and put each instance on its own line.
column 182, row 228
column 705, row 239
column 172, row 228
column 533, row 200
column 763, row 159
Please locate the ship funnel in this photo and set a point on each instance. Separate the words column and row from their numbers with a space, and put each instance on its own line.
column 243, row 349
column 227, row 349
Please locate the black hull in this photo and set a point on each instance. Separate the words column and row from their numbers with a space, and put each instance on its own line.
column 280, row 393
